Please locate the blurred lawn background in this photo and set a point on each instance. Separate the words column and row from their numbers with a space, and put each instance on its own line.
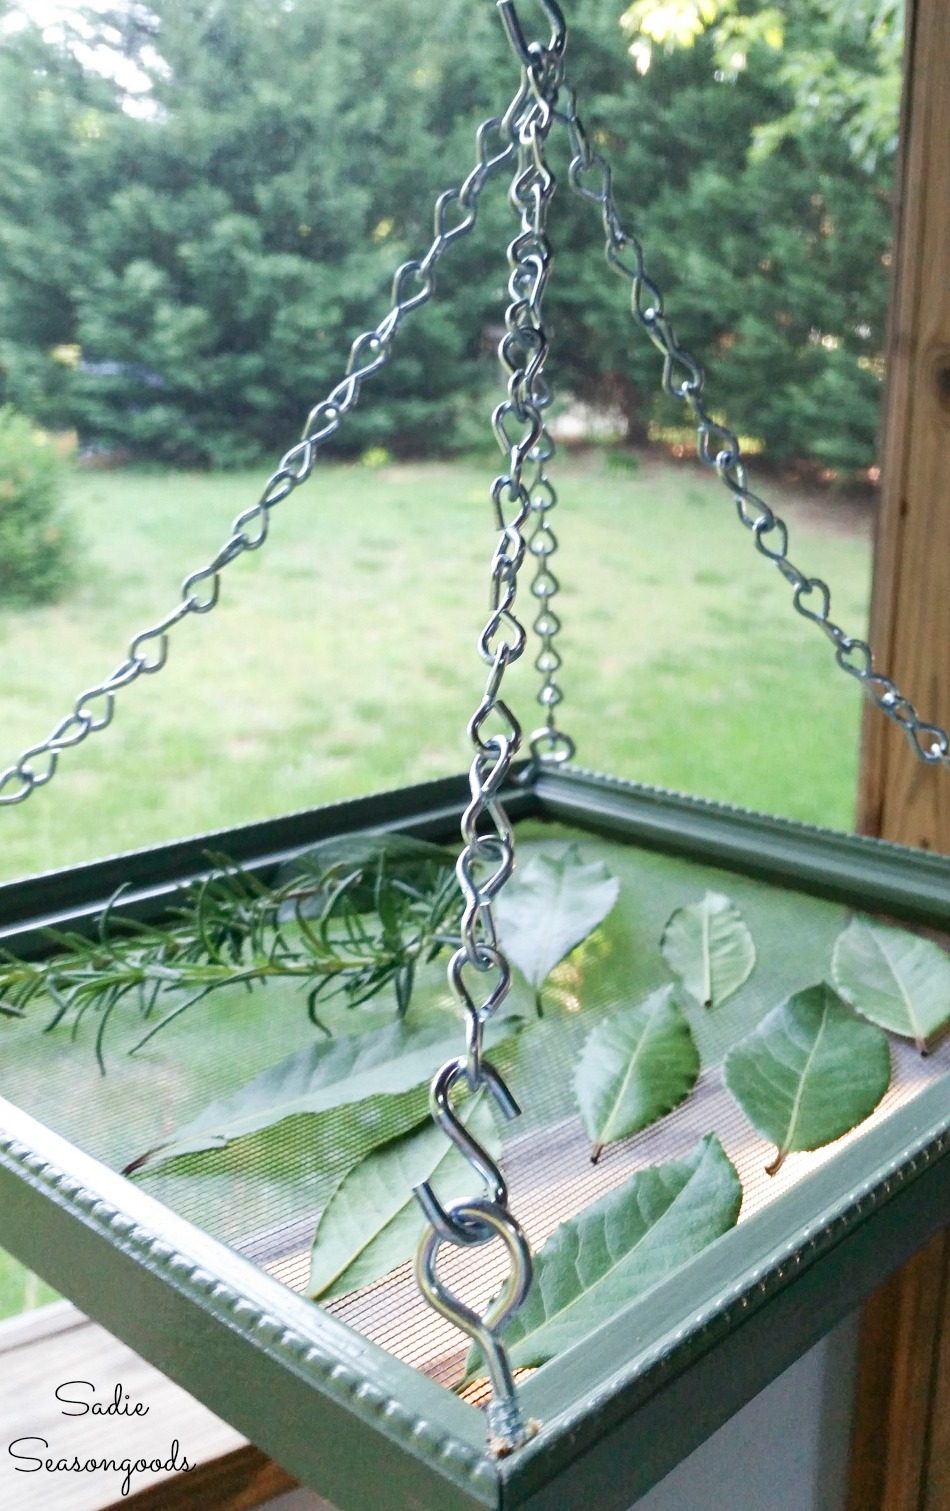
column 341, row 658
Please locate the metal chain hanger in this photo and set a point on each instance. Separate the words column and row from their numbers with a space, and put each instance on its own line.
column 544, row 100
column 487, row 858
column 683, row 378
column 523, row 350
column 456, row 212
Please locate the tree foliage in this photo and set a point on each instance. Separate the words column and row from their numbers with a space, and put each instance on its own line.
column 841, row 63
column 183, row 264
column 36, row 542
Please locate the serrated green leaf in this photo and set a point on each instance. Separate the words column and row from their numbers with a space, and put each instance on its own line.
column 373, row 1222
column 635, row 1066
column 620, row 1247
column 810, row 1072
column 548, row 908
column 895, row 978
column 384, row 1061
column 708, row 946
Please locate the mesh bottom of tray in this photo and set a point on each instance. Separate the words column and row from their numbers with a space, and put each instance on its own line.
column 551, row 1178
column 263, row 1194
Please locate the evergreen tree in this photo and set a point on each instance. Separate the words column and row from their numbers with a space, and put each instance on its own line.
column 182, row 270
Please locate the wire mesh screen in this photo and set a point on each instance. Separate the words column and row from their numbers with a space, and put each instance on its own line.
column 551, row 1179
column 264, row 1192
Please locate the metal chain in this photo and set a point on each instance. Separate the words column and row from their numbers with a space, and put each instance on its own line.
column 487, row 857
column 683, row 378
column 548, row 744
column 456, row 211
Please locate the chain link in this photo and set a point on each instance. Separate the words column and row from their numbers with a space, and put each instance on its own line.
column 456, row 211
column 683, row 378
column 548, row 744
column 487, row 856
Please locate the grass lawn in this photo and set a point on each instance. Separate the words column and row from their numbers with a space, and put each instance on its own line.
column 341, row 657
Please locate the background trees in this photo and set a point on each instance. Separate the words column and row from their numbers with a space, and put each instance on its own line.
column 185, row 258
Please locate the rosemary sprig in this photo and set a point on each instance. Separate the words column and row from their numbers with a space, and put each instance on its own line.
column 346, row 919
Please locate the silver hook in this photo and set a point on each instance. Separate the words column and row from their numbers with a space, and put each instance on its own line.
column 444, row 1220
column 528, row 54
column 507, row 1428
column 551, row 747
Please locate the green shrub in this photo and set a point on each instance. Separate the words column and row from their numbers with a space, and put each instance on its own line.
column 37, row 547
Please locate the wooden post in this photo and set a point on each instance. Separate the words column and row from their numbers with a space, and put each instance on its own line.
column 900, row 797
column 901, row 1443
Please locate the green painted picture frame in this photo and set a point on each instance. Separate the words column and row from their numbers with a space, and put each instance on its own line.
column 618, row 1411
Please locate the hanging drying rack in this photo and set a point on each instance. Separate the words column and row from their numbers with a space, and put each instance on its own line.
column 603, row 1401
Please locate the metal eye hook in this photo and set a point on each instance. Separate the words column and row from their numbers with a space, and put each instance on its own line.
column 528, row 55
column 507, row 1428
column 445, row 1222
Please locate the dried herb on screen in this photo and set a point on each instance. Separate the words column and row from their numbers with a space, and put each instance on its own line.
column 350, row 918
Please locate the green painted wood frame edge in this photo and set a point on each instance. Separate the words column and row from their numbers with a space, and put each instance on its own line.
column 54, row 1197
column 887, row 878
column 150, row 879
column 613, row 1423
column 237, row 1338
column 721, row 1328
column 634, row 1398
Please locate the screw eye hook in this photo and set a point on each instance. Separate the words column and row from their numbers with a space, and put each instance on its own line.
column 509, row 1429
column 528, row 54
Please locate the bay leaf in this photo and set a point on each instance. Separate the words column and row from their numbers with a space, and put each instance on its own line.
column 620, row 1247
column 328, row 1073
column 895, row 978
column 708, row 946
column 373, row 1222
column 635, row 1066
column 545, row 910
column 809, row 1072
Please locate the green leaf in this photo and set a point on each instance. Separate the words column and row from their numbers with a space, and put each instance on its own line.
column 708, row 946
column 383, row 1061
column 620, row 1247
column 373, row 1222
column 809, row 1072
column 634, row 1067
column 896, row 979
column 546, row 910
